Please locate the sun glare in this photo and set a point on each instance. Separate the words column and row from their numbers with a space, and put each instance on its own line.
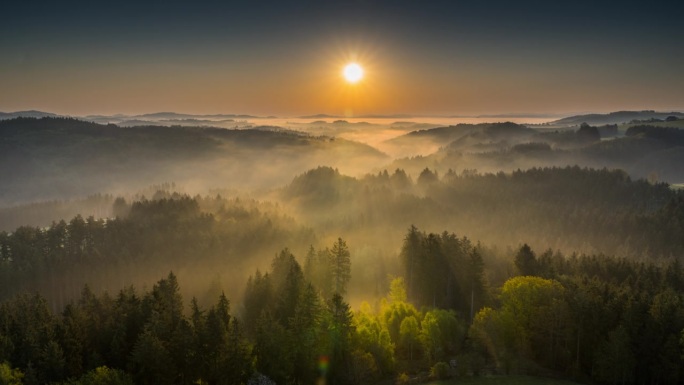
column 353, row 73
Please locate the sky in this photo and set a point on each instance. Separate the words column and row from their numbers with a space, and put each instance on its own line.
column 283, row 58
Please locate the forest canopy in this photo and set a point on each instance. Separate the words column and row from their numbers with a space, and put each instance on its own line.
column 327, row 259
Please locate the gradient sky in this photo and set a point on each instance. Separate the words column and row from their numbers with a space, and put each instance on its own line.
column 285, row 58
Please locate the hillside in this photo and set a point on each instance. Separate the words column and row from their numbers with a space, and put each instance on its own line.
column 427, row 141
column 644, row 151
column 59, row 158
column 617, row 117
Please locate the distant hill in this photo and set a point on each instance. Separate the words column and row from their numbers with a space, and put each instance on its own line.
column 174, row 115
column 26, row 114
column 423, row 142
column 614, row 118
column 367, row 116
column 320, row 116
column 61, row 158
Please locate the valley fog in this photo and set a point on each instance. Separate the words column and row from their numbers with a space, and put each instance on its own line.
column 433, row 213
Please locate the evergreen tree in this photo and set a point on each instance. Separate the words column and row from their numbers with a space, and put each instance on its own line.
column 341, row 329
column 340, row 266
column 526, row 261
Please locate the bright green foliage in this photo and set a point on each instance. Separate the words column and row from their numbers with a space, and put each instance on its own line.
column 441, row 333
column 393, row 314
column 373, row 337
column 397, row 290
column 103, row 376
column 9, row 376
column 528, row 326
column 409, row 335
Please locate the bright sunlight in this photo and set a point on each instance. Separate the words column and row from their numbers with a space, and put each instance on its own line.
column 353, row 73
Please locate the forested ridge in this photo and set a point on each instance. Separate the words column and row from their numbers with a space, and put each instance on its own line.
column 205, row 236
column 568, row 208
column 641, row 150
column 59, row 158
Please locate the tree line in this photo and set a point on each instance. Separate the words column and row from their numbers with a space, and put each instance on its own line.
column 173, row 231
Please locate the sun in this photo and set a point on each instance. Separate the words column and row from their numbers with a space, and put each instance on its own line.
column 352, row 73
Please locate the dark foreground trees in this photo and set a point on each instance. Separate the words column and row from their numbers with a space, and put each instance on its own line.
column 593, row 318
column 443, row 271
column 299, row 333
column 146, row 340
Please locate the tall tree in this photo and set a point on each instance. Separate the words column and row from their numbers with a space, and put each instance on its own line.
column 341, row 329
column 410, row 254
column 526, row 261
column 340, row 266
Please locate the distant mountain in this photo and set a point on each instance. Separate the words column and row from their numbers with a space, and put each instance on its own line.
column 26, row 114
column 617, row 117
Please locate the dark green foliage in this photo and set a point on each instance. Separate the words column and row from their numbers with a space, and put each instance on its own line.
column 671, row 136
column 340, row 329
column 587, row 133
column 443, row 271
column 440, row 371
column 340, row 264
column 294, row 328
column 531, row 148
column 59, row 158
column 617, row 321
column 595, row 317
column 148, row 340
column 525, row 261
column 427, row 177
column 153, row 234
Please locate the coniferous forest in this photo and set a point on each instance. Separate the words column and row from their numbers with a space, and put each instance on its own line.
column 419, row 268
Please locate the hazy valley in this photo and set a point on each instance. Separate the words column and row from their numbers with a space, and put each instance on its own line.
column 397, row 219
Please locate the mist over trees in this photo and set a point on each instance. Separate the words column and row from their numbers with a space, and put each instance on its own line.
column 505, row 249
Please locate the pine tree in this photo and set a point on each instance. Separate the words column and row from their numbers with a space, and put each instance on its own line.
column 340, row 266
